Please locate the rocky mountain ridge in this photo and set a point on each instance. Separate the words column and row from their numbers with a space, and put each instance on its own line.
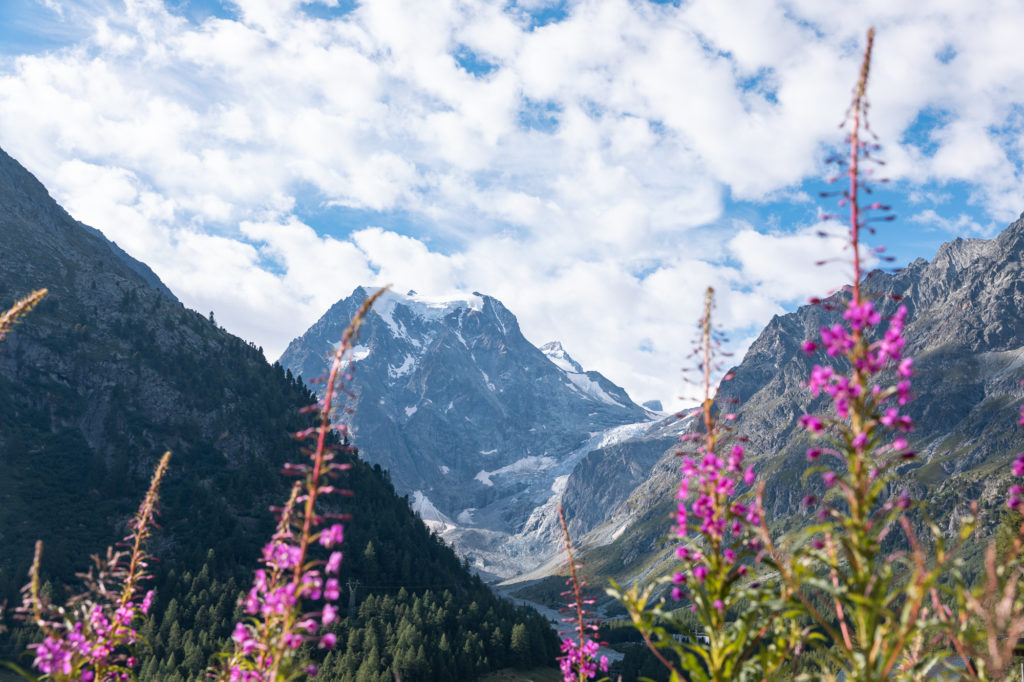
column 966, row 332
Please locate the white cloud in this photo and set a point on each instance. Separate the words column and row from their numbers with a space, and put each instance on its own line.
column 53, row 6
column 794, row 266
column 586, row 175
column 962, row 224
column 408, row 263
column 133, row 216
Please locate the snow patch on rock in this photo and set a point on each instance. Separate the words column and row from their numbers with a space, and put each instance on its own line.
column 556, row 354
column 527, row 465
column 424, row 307
column 431, row 515
column 589, row 387
column 407, row 366
column 355, row 354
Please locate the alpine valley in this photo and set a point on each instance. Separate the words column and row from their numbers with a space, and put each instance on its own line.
column 487, row 433
column 460, row 422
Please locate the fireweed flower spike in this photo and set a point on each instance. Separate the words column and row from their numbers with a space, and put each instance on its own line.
column 880, row 604
column 719, row 553
column 92, row 637
column 578, row 661
column 280, row 606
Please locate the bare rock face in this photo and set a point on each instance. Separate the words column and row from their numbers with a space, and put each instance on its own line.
column 479, row 426
column 966, row 333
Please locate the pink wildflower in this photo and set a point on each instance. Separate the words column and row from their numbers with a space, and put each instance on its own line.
column 332, row 536
column 811, row 423
column 862, row 316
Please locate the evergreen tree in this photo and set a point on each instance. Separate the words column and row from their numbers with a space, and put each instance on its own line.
column 520, row 645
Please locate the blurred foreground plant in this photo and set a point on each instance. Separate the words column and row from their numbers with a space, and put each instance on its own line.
column 578, row 661
column 13, row 315
column 886, row 619
column 281, row 609
column 748, row 630
column 877, row 614
column 990, row 615
column 8, row 319
column 92, row 636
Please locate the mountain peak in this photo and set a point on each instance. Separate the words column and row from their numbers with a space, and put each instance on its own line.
column 962, row 253
column 556, row 354
column 472, row 420
column 428, row 307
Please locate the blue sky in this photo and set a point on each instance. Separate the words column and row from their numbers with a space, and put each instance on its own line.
column 594, row 164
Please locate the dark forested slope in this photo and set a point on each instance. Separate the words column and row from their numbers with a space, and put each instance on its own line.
column 111, row 370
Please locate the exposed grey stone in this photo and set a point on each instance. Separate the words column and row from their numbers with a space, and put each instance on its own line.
column 470, row 419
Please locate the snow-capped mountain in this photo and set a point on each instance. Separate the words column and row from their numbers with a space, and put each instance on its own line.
column 477, row 425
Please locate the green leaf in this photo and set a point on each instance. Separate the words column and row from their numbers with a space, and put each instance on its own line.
column 21, row 672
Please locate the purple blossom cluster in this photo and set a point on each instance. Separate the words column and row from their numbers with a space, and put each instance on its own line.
column 280, row 605
column 708, row 509
column 859, row 392
column 92, row 648
column 274, row 599
column 838, row 341
column 706, row 505
column 580, row 662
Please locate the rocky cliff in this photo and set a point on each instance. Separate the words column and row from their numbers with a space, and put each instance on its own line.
column 479, row 426
column 966, row 333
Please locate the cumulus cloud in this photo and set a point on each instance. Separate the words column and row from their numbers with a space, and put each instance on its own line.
column 793, row 266
column 586, row 171
column 960, row 225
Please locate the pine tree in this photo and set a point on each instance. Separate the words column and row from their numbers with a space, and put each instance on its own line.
column 368, row 669
column 520, row 645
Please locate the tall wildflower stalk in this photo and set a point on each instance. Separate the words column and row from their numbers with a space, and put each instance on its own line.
column 91, row 638
column 884, row 616
column 989, row 622
column 281, row 607
column 578, row 661
column 743, row 635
